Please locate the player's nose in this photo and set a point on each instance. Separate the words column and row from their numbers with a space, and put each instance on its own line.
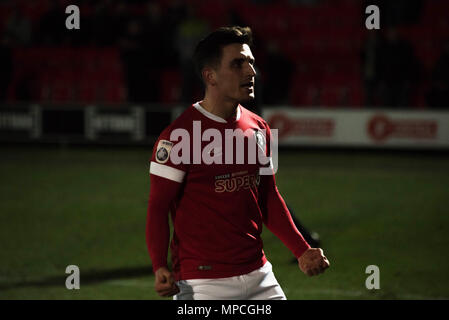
column 252, row 71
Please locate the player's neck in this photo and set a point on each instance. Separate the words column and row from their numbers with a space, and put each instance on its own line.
column 218, row 107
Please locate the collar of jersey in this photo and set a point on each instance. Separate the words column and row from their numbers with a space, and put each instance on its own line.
column 213, row 116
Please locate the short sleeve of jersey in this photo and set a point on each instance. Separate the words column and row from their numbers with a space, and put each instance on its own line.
column 161, row 163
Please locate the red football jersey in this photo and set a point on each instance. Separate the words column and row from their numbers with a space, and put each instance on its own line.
column 218, row 209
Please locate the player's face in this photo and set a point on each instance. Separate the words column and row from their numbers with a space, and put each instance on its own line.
column 235, row 75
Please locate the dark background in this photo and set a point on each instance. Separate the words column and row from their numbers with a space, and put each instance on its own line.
column 308, row 52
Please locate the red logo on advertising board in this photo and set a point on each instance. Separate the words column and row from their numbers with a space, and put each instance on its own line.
column 310, row 127
column 380, row 128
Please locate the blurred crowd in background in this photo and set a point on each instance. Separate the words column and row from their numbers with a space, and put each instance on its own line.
column 308, row 52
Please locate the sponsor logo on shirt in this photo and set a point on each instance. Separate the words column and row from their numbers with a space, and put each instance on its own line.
column 236, row 181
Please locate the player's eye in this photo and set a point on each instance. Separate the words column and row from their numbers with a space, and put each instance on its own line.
column 237, row 63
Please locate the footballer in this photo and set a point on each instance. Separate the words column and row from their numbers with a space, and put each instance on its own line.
column 218, row 209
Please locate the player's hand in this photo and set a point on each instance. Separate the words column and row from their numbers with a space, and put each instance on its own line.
column 313, row 262
column 164, row 283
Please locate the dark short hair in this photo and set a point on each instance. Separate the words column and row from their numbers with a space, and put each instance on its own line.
column 208, row 52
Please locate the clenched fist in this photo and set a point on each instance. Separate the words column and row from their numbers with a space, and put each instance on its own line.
column 313, row 262
column 164, row 283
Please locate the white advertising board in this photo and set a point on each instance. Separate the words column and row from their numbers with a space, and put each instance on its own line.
column 352, row 128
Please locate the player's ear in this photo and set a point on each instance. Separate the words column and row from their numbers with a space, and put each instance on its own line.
column 209, row 76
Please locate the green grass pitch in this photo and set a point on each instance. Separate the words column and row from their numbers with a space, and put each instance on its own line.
column 87, row 207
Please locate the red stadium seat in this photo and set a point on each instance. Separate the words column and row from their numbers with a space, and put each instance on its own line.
column 305, row 90
column 87, row 92
column 100, row 76
column 342, row 89
column 215, row 14
column 62, row 86
column 113, row 91
column 43, row 88
column 434, row 10
column 333, row 96
column 170, row 86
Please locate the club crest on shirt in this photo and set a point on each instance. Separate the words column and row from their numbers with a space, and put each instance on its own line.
column 260, row 139
column 163, row 151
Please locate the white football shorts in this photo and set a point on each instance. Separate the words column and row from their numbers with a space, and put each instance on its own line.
column 259, row 284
